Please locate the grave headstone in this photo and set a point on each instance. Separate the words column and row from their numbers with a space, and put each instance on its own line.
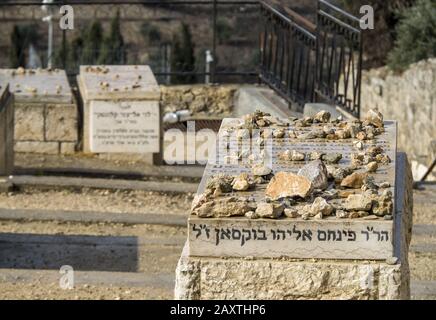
column 121, row 112
column 46, row 115
column 369, row 247
column 6, row 131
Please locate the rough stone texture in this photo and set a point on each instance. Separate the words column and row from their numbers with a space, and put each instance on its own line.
column 37, row 147
column 233, row 278
column 316, row 173
column 68, row 147
column 409, row 98
column 199, row 99
column 248, row 278
column 29, row 122
column 287, row 184
column 61, row 123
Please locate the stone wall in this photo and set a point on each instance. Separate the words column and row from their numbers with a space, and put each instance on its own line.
column 45, row 128
column 201, row 100
column 409, row 98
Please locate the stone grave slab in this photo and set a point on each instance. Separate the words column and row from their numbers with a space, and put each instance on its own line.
column 38, row 86
column 251, row 277
column 46, row 115
column 6, row 130
column 121, row 111
column 369, row 237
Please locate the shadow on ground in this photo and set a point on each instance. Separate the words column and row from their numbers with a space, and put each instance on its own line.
column 82, row 252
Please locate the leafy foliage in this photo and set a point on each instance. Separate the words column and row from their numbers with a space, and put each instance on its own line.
column 416, row 35
column 21, row 38
column 113, row 50
column 183, row 58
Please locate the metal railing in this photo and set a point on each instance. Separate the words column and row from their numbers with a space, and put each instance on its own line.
column 339, row 58
column 304, row 62
column 287, row 55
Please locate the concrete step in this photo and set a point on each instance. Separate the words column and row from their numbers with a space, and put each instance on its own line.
column 251, row 98
column 34, row 164
column 94, row 217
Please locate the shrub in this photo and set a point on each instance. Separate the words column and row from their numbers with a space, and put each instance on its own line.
column 183, row 58
column 416, row 35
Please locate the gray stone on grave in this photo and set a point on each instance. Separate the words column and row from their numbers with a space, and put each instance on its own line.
column 46, row 115
column 122, row 116
column 312, row 108
column 292, row 258
column 6, row 130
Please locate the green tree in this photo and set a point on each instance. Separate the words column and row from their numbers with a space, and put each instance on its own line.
column 113, row 49
column 16, row 54
column 386, row 20
column 21, row 38
column 183, row 58
column 416, row 35
column 61, row 55
column 92, row 43
column 223, row 29
column 150, row 33
column 74, row 55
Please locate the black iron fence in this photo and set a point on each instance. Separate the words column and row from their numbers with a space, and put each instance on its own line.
column 312, row 63
column 339, row 57
column 287, row 55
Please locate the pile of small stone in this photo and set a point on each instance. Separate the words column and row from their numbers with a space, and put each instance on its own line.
column 319, row 189
column 294, row 155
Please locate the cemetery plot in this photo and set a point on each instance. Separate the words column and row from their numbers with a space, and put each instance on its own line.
column 299, row 188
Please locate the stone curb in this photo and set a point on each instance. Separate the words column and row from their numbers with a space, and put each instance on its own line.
column 96, row 183
column 93, row 217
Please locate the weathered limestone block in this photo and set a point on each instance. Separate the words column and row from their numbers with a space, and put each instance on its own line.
column 29, row 122
column 208, row 100
column 68, row 147
column 235, row 278
column 61, row 123
column 409, row 98
column 37, row 147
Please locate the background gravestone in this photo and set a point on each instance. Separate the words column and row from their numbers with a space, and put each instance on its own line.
column 46, row 114
column 122, row 117
column 6, row 131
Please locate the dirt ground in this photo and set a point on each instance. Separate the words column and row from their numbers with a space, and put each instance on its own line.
column 118, row 261
column 120, row 201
